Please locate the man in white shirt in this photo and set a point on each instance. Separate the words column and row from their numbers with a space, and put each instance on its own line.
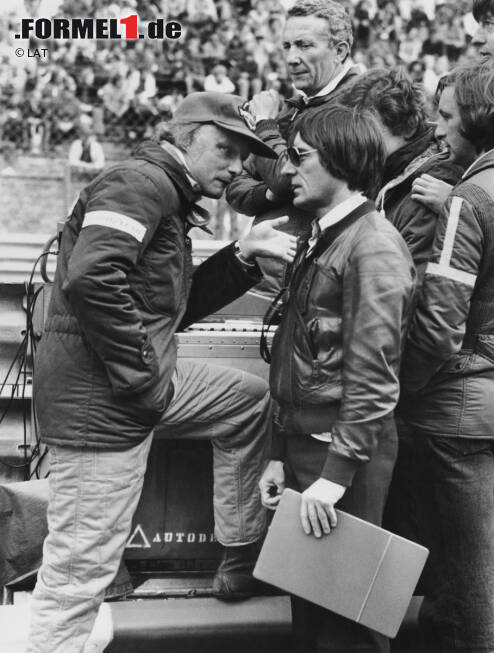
column 86, row 155
column 219, row 81
column 317, row 40
column 335, row 356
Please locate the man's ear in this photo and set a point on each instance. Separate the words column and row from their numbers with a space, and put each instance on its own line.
column 342, row 50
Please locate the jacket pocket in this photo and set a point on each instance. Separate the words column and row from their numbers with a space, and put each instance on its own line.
column 462, row 447
column 149, row 405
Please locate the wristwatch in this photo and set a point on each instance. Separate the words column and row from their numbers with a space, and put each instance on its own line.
column 241, row 257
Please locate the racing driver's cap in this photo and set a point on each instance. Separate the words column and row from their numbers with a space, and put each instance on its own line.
column 223, row 110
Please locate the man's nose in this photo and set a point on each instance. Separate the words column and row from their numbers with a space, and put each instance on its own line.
column 288, row 168
column 293, row 57
column 235, row 166
column 440, row 131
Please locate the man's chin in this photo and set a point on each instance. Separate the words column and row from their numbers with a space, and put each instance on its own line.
column 301, row 83
column 299, row 201
column 213, row 193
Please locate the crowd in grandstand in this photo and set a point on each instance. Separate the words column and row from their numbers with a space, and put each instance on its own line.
column 127, row 87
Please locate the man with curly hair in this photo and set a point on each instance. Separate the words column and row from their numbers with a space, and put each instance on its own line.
column 415, row 171
column 411, row 151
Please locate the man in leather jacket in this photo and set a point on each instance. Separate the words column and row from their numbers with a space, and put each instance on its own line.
column 336, row 353
column 448, row 378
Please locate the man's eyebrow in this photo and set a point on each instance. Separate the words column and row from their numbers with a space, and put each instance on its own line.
column 299, row 41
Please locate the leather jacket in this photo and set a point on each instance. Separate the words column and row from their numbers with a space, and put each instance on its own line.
column 448, row 367
column 336, row 353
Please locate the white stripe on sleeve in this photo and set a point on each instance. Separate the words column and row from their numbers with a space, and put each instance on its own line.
column 451, row 227
column 114, row 220
column 447, row 271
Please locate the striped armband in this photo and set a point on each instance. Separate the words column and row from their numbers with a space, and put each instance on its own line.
column 114, row 220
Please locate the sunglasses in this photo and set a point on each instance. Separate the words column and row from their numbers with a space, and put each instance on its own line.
column 295, row 156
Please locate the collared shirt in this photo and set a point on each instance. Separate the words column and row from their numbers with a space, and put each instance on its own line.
column 199, row 217
column 334, row 216
column 179, row 156
column 330, row 87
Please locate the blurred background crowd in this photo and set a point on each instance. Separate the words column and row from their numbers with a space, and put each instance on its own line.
column 87, row 102
column 122, row 89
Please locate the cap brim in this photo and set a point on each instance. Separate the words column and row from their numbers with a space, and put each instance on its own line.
column 257, row 146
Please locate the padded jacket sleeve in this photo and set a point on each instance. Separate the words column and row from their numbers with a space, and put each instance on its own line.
column 439, row 323
column 121, row 216
column 378, row 285
column 219, row 280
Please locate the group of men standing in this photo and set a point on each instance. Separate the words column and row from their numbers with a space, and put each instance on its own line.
column 378, row 245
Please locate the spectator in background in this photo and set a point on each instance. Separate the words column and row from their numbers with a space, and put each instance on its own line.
column 430, row 78
column 245, row 36
column 219, row 81
column 86, row 156
column 116, row 102
column 410, row 46
column 483, row 39
column 65, row 112
column 433, row 44
column 455, row 39
column 362, row 24
column 416, row 70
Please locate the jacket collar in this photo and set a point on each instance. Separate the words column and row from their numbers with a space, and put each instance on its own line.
column 154, row 153
column 330, row 86
column 329, row 234
column 300, row 101
column 304, row 258
column 177, row 170
column 398, row 162
column 483, row 162
column 408, row 173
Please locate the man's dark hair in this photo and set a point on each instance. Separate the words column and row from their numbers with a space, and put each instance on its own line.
column 349, row 145
column 393, row 96
column 474, row 95
column 337, row 17
column 482, row 9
